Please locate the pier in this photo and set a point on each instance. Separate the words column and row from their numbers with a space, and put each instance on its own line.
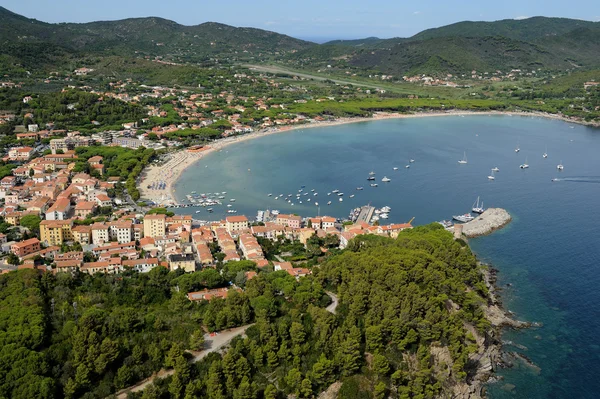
column 490, row 220
column 366, row 214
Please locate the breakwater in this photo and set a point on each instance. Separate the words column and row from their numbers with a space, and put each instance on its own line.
column 490, row 220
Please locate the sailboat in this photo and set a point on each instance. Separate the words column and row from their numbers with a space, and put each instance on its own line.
column 545, row 154
column 524, row 165
column 560, row 166
column 477, row 208
column 517, row 149
column 464, row 160
column 492, row 177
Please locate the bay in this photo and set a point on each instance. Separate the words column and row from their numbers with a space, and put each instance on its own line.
column 549, row 254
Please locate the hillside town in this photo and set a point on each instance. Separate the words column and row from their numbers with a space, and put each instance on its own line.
column 59, row 220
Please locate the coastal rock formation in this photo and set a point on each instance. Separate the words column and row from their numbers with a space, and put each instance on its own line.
column 490, row 220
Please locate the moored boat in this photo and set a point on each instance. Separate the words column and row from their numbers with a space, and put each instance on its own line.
column 477, row 208
column 467, row 217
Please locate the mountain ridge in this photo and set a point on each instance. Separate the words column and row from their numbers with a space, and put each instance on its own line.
column 538, row 42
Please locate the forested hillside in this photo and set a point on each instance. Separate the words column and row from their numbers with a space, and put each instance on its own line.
column 400, row 301
column 540, row 42
column 143, row 36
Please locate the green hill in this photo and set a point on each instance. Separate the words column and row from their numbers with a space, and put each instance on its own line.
column 459, row 55
column 546, row 43
column 528, row 29
column 539, row 42
column 146, row 36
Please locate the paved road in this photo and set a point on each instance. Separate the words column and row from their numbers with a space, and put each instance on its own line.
column 212, row 344
column 334, row 302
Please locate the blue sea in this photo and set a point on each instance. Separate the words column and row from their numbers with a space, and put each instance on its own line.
column 548, row 257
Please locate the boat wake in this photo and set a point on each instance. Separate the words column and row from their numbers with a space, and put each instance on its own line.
column 579, row 179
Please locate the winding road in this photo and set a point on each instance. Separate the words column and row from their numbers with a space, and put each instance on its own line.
column 334, row 302
column 211, row 344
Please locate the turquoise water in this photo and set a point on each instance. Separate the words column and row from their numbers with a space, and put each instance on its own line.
column 549, row 254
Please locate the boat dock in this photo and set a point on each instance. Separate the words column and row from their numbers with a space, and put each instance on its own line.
column 366, row 214
column 490, row 220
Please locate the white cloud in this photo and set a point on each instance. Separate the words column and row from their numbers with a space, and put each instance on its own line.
column 271, row 23
column 521, row 17
column 417, row 12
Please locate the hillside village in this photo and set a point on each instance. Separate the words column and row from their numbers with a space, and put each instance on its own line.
column 58, row 220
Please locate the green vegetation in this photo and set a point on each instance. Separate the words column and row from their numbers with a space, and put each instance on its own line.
column 144, row 36
column 88, row 336
column 76, row 110
column 367, row 106
column 6, row 169
column 31, row 222
column 160, row 211
column 124, row 163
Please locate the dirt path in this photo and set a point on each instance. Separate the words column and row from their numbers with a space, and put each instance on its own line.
column 212, row 344
column 334, row 302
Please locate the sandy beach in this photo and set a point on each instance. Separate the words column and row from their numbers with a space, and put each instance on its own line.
column 156, row 182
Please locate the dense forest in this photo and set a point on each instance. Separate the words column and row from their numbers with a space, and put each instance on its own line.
column 88, row 336
column 72, row 109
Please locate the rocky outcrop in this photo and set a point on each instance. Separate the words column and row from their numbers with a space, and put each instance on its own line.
column 490, row 220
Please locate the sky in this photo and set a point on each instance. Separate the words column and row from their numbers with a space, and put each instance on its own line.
column 317, row 20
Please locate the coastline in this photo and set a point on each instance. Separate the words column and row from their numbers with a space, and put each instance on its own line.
column 490, row 355
column 171, row 171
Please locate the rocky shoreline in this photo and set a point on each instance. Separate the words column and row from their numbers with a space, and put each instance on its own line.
column 490, row 356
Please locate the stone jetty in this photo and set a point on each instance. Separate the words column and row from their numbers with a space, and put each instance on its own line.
column 490, row 220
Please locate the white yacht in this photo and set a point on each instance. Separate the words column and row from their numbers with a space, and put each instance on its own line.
column 407, row 166
column 341, row 199
column 496, row 169
column 464, row 159
column 351, row 195
column 232, row 200
column 371, row 173
column 373, row 184
column 386, row 179
column 517, row 148
column 384, row 216
column 545, row 154
column 560, row 166
column 411, row 161
column 524, row 165
column 477, row 208
column 395, row 168
column 360, row 188
column 467, row 217
column 335, row 191
column 328, row 202
column 270, row 195
column 340, row 194
column 492, row 177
